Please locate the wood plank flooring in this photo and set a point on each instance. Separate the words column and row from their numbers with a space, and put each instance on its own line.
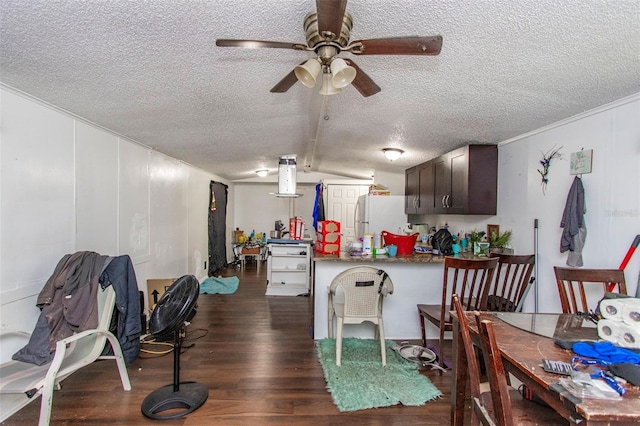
column 255, row 355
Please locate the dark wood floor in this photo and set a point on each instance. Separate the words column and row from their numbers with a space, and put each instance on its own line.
column 255, row 355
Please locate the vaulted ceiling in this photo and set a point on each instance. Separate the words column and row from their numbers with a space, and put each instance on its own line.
column 151, row 71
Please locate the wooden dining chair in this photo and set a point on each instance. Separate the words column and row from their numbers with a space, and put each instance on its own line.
column 510, row 282
column 472, row 362
column 504, row 405
column 469, row 279
column 576, row 284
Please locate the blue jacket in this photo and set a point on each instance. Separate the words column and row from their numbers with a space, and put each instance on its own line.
column 119, row 273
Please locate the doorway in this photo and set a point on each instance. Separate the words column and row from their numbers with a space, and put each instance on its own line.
column 341, row 207
column 217, row 227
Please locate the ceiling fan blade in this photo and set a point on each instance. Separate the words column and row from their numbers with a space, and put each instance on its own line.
column 252, row 44
column 330, row 15
column 286, row 83
column 413, row 45
column 363, row 83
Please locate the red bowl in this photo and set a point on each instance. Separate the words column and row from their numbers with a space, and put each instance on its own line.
column 405, row 243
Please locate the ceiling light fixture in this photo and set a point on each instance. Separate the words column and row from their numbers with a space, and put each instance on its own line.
column 327, row 87
column 308, row 72
column 392, row 153
column 336, row 72
column 343, row 74
column 262, row 173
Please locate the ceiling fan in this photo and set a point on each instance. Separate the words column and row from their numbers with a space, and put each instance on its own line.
column 327, row 32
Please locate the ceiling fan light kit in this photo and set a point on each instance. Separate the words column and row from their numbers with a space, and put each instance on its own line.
column 328, row 88
column 342, row 74
column 327, row 34
column 392, row 154
column 308, row 72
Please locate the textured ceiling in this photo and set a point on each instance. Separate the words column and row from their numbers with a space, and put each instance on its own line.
column 150, row 71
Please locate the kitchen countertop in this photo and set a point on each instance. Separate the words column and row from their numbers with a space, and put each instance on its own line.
column 413, row 258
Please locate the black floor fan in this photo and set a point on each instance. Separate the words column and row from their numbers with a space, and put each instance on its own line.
column 176, row 306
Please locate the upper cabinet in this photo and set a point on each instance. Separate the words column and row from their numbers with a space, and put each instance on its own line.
column 464, row 181
column 417, row 180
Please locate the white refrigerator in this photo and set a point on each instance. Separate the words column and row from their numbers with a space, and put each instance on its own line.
column 377, row 213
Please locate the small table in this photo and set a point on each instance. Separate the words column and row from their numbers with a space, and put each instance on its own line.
column 522, row 353
column 258, row 251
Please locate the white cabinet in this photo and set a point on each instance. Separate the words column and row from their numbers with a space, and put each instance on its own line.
column 288, row 269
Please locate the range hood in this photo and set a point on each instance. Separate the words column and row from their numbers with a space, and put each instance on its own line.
column 287, row 177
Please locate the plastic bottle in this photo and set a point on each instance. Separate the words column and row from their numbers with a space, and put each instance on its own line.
column 367, row 243
column 377, row 243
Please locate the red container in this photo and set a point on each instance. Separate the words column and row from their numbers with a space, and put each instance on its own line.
column 405, row 243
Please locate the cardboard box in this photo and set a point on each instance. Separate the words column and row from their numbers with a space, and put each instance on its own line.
column 250, row 250
column 328, row 248
column 236, row 236
column 326, row 226
column 329, row 237
column 156, row 288
column 296, row 228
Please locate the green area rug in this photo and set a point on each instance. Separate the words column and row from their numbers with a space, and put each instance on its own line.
column 362, row 382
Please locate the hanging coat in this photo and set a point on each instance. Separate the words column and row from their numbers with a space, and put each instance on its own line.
column 574, row 231
column 318, row 207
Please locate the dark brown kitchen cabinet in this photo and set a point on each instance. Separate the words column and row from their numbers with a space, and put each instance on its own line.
column 463, row 181
column 418, row 197
column 411, row 190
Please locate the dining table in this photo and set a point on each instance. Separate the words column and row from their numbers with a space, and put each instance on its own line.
column 524, row 340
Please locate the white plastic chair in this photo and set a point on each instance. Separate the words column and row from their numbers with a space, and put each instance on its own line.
column 21, row 382
column 364, row 289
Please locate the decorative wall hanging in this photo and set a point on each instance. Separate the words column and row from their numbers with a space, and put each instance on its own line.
column 546, row 163
column 580, row 162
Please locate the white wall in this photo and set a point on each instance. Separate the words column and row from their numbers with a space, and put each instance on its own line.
column 393, row 181
column 612, row 194
column 67, row 185
column 257, row 209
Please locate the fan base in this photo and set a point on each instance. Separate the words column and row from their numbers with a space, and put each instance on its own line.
column 189, row 397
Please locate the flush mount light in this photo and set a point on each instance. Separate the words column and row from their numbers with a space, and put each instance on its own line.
column 262, row 173
column 392, row 153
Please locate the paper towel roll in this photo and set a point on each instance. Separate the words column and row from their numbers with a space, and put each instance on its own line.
column 609, row 330
column 631, row 312
column 612, row 308
column 628, row 337
column 619, row 333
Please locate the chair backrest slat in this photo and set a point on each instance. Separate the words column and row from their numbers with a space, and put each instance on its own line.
column 510, row 281
column 500, row 397
column 465, row 335
column 470, row 280
column 573, row 285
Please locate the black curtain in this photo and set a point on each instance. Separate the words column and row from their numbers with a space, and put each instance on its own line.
column 217, row 227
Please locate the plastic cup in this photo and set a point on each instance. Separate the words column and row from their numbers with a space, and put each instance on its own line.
column 392, row 250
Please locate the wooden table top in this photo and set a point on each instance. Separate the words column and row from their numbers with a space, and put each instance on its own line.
column 524, row 351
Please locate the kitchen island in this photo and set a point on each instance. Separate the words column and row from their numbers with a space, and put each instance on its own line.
column 416, row 279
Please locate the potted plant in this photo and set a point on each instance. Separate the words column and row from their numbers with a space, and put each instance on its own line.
column 499, row 242
column 475, row 240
